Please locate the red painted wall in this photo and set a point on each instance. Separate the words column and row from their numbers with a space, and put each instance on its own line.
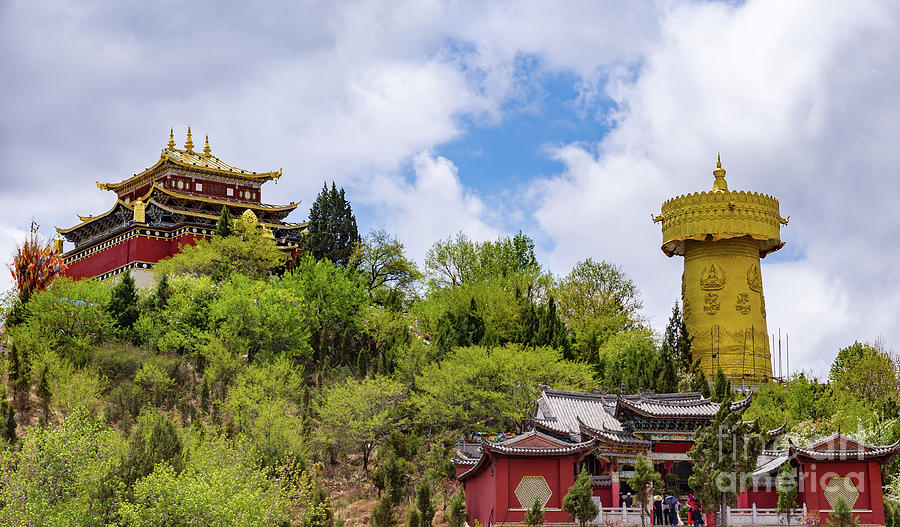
column 605, row 495
column 867, row 477
column 492, row 499
column 672, row 448
column 481, row 496
column 139, row 248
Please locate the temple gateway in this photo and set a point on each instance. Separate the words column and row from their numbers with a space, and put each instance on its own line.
column 606, row 432
column 173, row 203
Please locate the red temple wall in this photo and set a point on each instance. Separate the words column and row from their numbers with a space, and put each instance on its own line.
column 865, row 474
column 673, row 447
column 605, row 495
column 481, row 496
column 135, row 249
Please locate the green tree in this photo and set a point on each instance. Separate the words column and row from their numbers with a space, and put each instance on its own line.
column 154, row 440
column 62, row 475
column 842, row 516
column 869, row 372
column 412, row 518
column 722, row 388
column 424, row 503
column 787, row 492
column 335, row 301
column 223, row 225
column 123, row 302
column 477, row 388
column 535, row 515
column 221, row 484
column 383, row 514
column 677, row 340
column 596, row 300
column 361, row 414
column 332, row 232
column 249, row 251
column 456, row 515
column 578, row 501
column 44, row 395
column 643, row 482
column 725, row 453
column 8, row 414
column 380, row 260
column 390, row 476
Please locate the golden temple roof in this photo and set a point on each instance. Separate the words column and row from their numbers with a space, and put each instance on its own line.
column 187, row 158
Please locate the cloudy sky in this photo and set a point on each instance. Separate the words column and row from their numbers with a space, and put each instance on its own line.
column 570, row 121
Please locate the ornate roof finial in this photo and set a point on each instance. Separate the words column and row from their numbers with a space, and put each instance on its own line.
column 719, row 185
column 189, row 144
column 206, row 149
column 171, row 144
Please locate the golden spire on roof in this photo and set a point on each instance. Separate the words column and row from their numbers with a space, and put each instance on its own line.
column 719, row 185
column 171, row 144
column 206, row 149
column 189, row 144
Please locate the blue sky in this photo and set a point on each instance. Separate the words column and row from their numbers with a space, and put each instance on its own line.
column 572, row 122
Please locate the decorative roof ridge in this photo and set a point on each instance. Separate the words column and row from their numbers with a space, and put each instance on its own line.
column 163, row 157
column 477, row 466
column 246, row 205
column 884, row 450
column 742, row 404
column 568, row 448
column 839, row 435
column 579, row 395
column 91, row 219
column 532, row 433
column 676, row 402
column 617, row 436
column 283, row 225
column 778, row 431
column 550, row 425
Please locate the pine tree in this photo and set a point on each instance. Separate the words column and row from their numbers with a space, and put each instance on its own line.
column 332, row 231
column 412, row 518
column 383, row 514
column 535, row 515
column 43, row 392
column 724, row 455
column 9, row 413
column 677, row 340
column 223, row 225
column 643, row 481
column 123, row 302
column 721, row 388
column 456, row 516
column 842, row 516
column 163, row 292
column 787, row 492
column 578, row 502
column 424, row 503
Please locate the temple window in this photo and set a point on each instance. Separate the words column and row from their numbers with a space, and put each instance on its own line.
column 199, row 187
column 230, row 191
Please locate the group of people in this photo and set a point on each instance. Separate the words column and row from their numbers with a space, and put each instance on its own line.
column 664, row 510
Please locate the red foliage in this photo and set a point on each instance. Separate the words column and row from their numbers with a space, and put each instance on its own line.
column 34, row 267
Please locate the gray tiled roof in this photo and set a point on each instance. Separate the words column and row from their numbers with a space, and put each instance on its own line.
column 566, row 408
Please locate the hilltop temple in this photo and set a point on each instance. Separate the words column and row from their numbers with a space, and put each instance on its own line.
column 173, row 203
column 722, row 235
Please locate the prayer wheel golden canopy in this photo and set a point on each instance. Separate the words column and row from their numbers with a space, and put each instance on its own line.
column 722, row 235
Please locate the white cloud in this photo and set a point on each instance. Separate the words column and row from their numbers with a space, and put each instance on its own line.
column 433, row 206
column 796, row 97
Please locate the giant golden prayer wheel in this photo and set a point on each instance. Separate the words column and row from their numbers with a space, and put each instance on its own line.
column 722, row 235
